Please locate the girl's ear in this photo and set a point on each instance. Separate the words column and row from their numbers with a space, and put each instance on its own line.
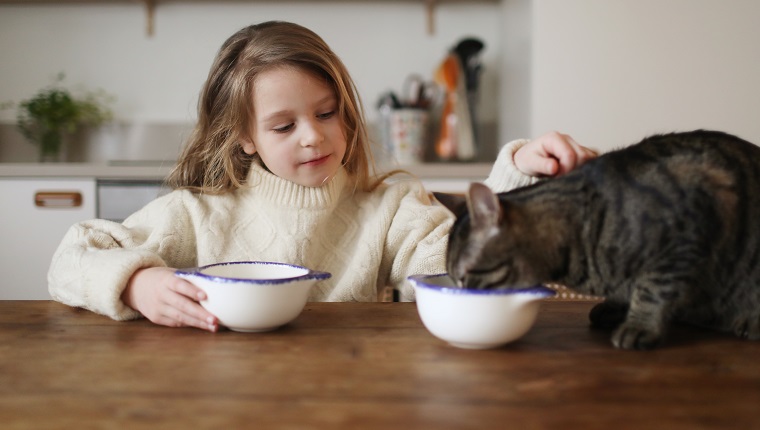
column 248, row 146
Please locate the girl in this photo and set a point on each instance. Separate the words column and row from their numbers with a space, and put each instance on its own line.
column 278, row 168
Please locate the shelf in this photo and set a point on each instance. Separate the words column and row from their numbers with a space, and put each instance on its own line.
column 150, row 6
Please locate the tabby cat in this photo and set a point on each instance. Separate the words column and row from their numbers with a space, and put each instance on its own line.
column 666, row 229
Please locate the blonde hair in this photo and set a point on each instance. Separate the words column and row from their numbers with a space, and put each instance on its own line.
column 213, row 160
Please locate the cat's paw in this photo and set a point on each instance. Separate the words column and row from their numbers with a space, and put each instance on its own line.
column 747, row 327
column 629, row 336
column 608, row 315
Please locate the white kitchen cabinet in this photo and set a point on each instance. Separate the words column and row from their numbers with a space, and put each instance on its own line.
column 36, row 213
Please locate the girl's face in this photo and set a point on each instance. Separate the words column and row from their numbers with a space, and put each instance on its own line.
column 296, row 128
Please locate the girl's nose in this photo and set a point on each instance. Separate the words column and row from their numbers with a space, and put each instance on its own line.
column 312, row 134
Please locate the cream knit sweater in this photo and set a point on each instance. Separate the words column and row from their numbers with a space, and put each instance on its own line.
column 365, row 240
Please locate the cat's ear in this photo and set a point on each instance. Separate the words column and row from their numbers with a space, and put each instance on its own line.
column 453, row 202
column 483, row 204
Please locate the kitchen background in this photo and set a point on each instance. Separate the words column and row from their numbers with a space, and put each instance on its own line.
column 608, row 72
column 156, row 79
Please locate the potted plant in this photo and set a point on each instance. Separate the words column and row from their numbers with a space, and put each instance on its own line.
column 54, row 113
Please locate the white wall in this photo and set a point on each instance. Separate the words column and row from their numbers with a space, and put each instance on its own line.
column 610, row 72
column 515, row 71
column 157, row 79
column 607, row 71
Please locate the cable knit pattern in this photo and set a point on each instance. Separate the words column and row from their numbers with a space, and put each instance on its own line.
column 366, row 240
column 506, row 176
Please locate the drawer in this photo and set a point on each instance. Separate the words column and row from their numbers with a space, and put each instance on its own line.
column 36, row 214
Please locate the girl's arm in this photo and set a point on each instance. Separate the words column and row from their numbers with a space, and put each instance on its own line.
column 416, row 237
column 97, row 259
column 552, row 154
column 168, row 300
column 524, row 162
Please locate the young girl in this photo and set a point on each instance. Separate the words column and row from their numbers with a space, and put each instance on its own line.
column 279, row 169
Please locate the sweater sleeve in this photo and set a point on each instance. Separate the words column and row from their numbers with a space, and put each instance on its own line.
column 504, row 175
column 416, row 238
column 96, row 258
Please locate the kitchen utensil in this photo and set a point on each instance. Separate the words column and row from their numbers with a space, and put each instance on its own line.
column 468, row 50
column 419, row 93
column 408, row 130
column 389, row 100
column 455, row 139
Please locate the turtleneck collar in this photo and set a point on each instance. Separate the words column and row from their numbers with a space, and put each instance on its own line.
column 279, row 191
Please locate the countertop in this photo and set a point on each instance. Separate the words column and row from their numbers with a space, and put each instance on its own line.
column 157, row 170
column 363, row 366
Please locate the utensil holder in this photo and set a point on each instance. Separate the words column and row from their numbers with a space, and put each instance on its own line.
column 407, row 134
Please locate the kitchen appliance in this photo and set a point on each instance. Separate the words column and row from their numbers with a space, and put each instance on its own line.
column 119, row 198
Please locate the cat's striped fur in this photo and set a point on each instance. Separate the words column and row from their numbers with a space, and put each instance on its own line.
column 665, row 229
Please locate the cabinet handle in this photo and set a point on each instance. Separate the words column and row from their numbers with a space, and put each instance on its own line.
column 58, row 199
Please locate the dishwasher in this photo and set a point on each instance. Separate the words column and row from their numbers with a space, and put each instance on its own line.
column 119, row 198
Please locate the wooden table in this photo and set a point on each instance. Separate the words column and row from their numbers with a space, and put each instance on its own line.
column 363, row 366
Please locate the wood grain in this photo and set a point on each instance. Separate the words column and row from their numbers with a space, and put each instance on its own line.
column 362, row 366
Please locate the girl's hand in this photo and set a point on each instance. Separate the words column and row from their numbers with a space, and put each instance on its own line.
column 552, row 154
column 168, row 300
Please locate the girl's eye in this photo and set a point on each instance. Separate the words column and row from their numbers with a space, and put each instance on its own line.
column 326, row 115
column 283, row 129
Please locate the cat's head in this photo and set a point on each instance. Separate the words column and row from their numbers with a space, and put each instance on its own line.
column 490, row 244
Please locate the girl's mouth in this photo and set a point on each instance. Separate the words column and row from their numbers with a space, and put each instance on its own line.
column 316, row 161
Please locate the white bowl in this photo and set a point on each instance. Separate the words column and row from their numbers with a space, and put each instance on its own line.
column 253, row 296
column 475, row 319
